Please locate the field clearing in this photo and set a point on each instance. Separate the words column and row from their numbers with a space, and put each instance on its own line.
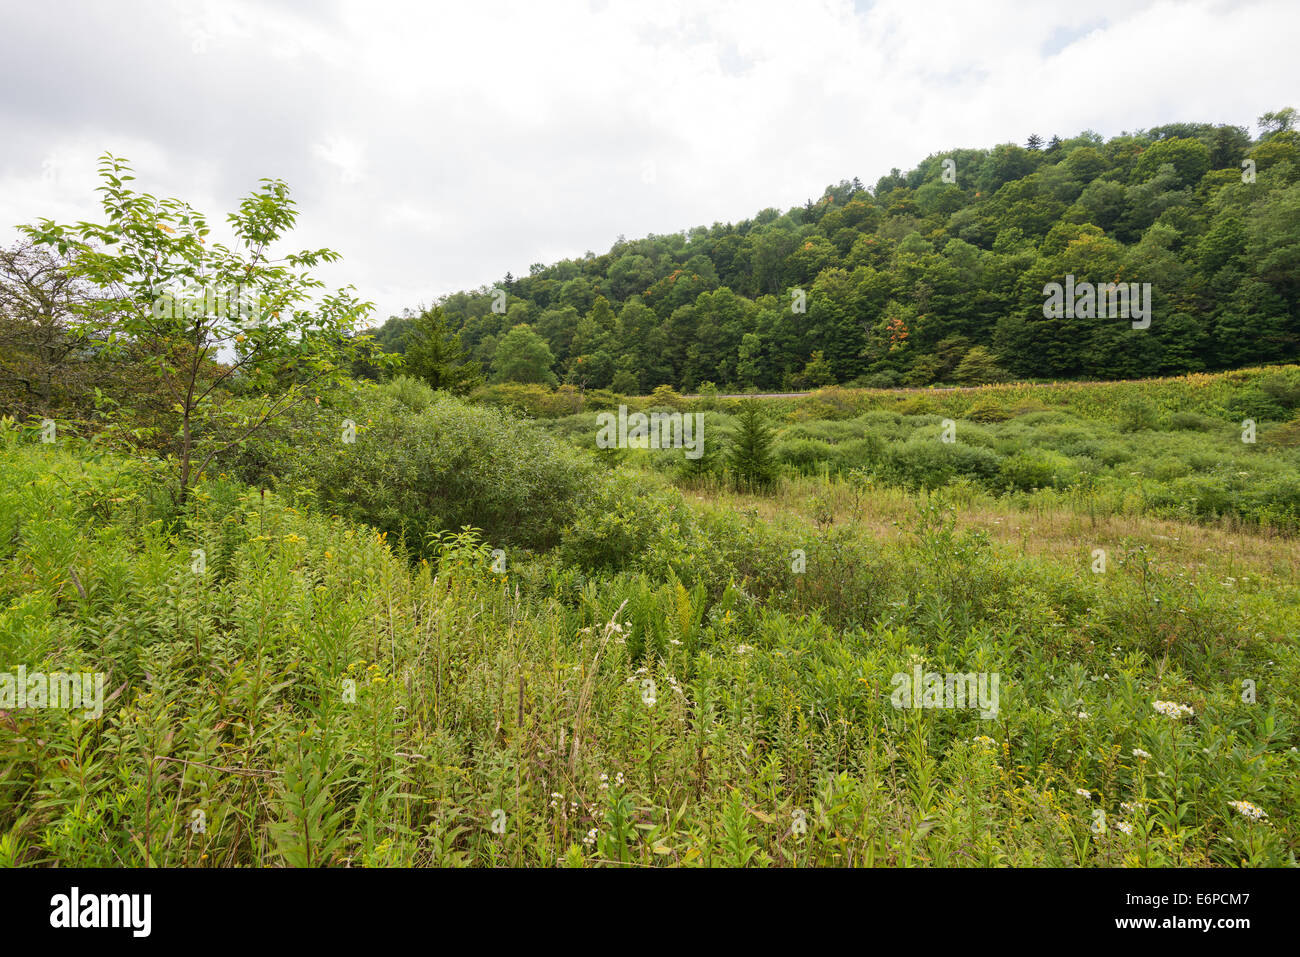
column 1059, row 531
column 623, row 665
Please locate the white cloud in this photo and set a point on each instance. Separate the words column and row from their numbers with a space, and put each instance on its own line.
column 345, row 156
column 438, row 147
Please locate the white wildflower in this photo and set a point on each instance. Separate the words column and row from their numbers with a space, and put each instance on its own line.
column 1171, row 709
column 1248, row 810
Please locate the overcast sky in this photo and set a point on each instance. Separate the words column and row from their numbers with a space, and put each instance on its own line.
column 438, row 146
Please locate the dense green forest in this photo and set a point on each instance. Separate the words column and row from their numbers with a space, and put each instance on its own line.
column 935, row 275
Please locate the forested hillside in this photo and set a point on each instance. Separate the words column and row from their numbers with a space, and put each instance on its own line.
column 935, row 275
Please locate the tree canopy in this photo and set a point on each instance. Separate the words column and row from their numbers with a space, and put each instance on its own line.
column 898, row 284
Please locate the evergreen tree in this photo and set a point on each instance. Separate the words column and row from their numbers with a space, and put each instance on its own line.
column 750, row 457
column 435, row 354
column 710, row 462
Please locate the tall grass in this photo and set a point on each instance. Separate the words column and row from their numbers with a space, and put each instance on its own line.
column 315, row 697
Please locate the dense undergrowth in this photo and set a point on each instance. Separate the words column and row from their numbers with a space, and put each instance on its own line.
column 641, row 675
column 1177, row 448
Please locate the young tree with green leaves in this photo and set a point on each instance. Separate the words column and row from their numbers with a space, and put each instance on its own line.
column 818, row 373
column 979, row 367
column 523, row 356
column 45, row 343
column 200, row 316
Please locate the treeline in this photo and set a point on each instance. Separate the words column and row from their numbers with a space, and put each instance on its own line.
column 935, row 275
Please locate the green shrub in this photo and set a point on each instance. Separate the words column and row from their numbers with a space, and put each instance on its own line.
column 812, row 409
column 664, row 398
column 987, row 409
column 917, row 405
column 1139, row 415
column 1193, row 422
column 929, row 464
column 1026, row 406
column 1037, row 468
column 1286, row 435
column 1280, row 494
column 1282, row 389
column 804, row 455
column 1112, row 453
column 416, row 394
column 860, row 453
column 535, row 399
column 1204, row 496
column 1272, row 397
column 619, row 526
column 416, row 473
column 1169, row 467
column 887, row 379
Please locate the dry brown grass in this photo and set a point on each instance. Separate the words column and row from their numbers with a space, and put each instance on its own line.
column 1061, row 533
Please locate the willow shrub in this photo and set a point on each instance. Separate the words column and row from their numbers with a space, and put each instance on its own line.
column 421, row 462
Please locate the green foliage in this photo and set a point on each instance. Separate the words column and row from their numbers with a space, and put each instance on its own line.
column 177, row 301
column 804, row 455
column 398, row 629
column 978, row 367
column 1027, row 470
column 1116, row 449
column 389, row 712
column 711, row 462
column 927, row 463
column 422, row 463
column 751, row 456
column 988, row 410
column 523, row 356
column 1139, row 415
column 921, row 281
column 434, row 354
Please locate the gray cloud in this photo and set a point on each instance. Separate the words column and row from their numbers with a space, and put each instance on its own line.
column 438, row 146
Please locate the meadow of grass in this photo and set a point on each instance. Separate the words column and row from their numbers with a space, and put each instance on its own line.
column 414, row 652
column 1197, row 448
